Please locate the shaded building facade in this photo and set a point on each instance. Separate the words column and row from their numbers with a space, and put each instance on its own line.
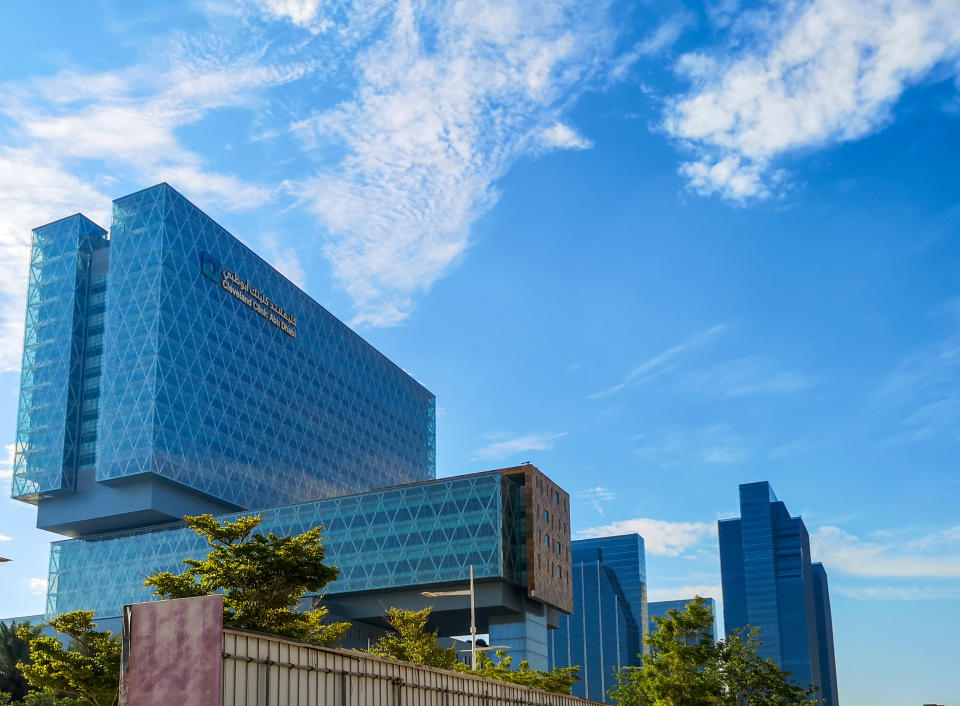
column 606, row 629
column 769, row 582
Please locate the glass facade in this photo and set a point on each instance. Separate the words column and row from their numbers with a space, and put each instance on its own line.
column 423, row 533
column 603, row 632
column 658, row 609
column 768, row 582
column 186, row 360
column 52, row 418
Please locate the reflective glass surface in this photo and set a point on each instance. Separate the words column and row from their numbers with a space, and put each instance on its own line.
column 221, row 375
column 416, row 534
column 51, row 404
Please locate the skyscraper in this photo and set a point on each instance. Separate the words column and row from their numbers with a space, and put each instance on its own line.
column 770, row 583
column 607, row 626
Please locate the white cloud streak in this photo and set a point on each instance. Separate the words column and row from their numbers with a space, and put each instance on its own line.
column 596, row 497
column 750, row 376
column 37, row 587
column 448, row 99
column 932, row 555
column 5, row 538
column 660, row 537
column 898, row 593
column 505, row 448
column 812, row 73
column 661, row 362
column 714, row 591
column 713, row 444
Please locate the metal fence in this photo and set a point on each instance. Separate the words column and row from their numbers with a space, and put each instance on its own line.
column 262, row 670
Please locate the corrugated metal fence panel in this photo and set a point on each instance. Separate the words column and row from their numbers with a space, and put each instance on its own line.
column 262, row 670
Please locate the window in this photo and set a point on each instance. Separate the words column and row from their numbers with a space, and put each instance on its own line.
column 546, row 540
column 556, row 497
column 558, row 547
column 559, row 573
column 546, row 516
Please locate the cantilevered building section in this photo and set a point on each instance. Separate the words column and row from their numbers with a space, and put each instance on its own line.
column 169, row 371
column 770, row 583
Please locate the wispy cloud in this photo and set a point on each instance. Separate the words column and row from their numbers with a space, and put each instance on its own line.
column 285, row 260
column 749, row 376
column 5, row 538
column 449, row 97
column 805, row 74
column 934, row 554
column 660, row 40
column 660, row 537
column 661, row 362
column 506, row 447
column 923, row 388
column 898, row 593
column 713, row 444
column 677, row 593
column 596, row 497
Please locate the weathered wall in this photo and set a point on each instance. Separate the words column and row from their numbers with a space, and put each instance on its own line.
column 172, row 653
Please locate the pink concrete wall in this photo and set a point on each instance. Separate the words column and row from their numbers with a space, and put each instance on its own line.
column 175, row 653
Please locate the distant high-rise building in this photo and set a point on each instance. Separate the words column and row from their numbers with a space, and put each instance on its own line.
column 658, row 609
column 770, row 583
column 608, row 623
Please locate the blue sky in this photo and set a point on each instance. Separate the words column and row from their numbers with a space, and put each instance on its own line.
column 657, row 249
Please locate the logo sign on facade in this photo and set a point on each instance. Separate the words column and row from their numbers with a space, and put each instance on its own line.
column 242, row 290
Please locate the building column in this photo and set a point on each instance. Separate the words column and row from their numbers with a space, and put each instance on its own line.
column 525, row 635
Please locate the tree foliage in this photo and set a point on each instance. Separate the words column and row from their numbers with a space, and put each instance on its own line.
column 410, row 640
column 89, row 671
column 263, row 578
column 560, row 679
column 13, row 650
column 686, row 668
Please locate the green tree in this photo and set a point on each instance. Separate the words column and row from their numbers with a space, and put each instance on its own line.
column 13, row 650
column 686, row 668
column 560, row 679
column 48, row 697
column 263, row 578
column 410, row 640
column 750, row 680
column 89, row 671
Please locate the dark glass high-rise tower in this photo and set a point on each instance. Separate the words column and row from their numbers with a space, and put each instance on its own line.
column 609, row 619
column 770, row 583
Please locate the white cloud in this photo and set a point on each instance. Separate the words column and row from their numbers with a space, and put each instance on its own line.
column 748, row 376
column 5, row 538
column 596, row 497
column 660, row 40
column 448, row 99
column 714, row 591
column 898, row 593
column 285, row 260
column 660, row 363
column 564, row 137
column 932, row 555
column 37, row 587
column 714, row 444
column 821, row 72
column 504, row 448
column 660, row 537
column 6, row 464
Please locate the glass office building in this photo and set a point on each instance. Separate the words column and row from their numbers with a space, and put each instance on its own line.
column 658, row 609
column 606, row 629
column 769, row 582
column 168, row 369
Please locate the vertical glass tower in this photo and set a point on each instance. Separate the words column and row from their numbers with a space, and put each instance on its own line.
column 169, row 370
column 770, row 583
column 608, row 624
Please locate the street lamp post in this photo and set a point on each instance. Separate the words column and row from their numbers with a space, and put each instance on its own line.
column 473, row 617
